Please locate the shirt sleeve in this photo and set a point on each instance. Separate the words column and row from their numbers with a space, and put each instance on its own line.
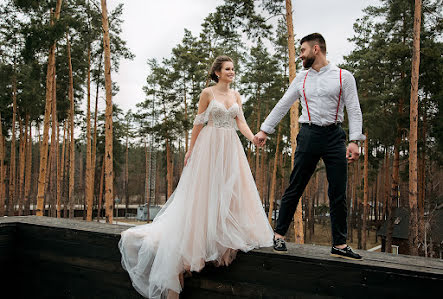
column 352, row 104
column 282, row 107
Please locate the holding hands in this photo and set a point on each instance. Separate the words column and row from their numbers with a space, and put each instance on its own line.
column 260, row 139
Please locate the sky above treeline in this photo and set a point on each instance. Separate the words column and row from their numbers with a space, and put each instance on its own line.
column 152, row 28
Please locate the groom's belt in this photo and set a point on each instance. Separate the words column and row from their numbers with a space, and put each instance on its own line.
column 331, row 126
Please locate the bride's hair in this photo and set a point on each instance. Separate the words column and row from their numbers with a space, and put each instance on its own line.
column 217, row 65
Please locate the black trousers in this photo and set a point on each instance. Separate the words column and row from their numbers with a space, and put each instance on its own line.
column 315, row 142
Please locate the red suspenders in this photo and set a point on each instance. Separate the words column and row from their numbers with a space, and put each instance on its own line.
column 306, row 101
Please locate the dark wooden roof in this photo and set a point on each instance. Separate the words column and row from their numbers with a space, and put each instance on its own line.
column 65, row 258
column 401, row 224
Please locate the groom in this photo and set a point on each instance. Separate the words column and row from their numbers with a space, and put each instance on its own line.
column 324, row 90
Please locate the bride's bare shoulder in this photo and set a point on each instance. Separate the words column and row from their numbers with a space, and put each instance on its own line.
column 237, row 97
column 206, row 94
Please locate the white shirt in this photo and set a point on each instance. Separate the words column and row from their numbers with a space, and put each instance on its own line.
column 322, row 89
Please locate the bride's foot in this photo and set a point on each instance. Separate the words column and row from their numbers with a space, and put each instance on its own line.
column 173, row 295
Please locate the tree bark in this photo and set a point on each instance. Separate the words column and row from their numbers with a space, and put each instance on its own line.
column 89, row 189
column 274, row 177
column 421, row 178
column 186, row 119
column 147, row 187
column 72, row 142
column 365, row 194
column 100, row 193
column 48, row 108
column 94, row 140
column 169, row 169
column 53, row 151
column 258, row 180
column 394, row 194
column 28, row 172
column 298, row 221
column 23, row 141
column 358, row 204
column 61, row 172
column 127, row 168
column 12, row 167
column 413, row 132
column 387, row 200
column 109, row 172
column 2, row 168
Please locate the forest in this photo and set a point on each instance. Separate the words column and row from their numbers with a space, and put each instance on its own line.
column 56, row 59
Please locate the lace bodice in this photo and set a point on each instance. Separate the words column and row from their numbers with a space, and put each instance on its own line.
column 217, row 115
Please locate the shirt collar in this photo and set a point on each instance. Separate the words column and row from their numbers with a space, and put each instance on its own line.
column 327, row 67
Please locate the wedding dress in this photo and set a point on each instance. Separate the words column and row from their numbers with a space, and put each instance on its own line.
column 214, row 211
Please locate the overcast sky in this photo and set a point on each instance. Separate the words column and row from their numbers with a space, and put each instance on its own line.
column 152, row 28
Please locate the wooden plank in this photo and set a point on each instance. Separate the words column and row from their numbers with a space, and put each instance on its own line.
column 75, row 254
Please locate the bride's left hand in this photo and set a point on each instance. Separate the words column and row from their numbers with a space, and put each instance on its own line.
column 187, row 156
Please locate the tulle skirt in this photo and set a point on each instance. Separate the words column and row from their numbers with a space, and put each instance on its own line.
column 214, row 211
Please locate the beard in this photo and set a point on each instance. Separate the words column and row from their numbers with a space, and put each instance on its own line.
column 309, row 61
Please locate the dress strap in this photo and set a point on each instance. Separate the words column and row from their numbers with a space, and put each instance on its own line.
column 213, row 95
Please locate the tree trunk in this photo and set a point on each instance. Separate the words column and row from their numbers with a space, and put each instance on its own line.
column 274, row 177
column 413, row 132
column 258, row 180
column 23, row 151
column 263, row 171
column 100, row 192
column 48, row 108
column 387, row 200
column 249, row 155
column 147, row 187
column 358, row 204
column 394, row 194
column 28, row 172
column 109, row 173
column 12, row 166
column 169, row 169
column 365, row 194
column 94, row 141
column 89, row 189
column 72, row 142
column 186, row 119
column 21, row 168
column 66, row 177
column 421, row 177
column 298, row 221
column 61, row 172
column 2, row 168
column 126, row 177
column 53, row 151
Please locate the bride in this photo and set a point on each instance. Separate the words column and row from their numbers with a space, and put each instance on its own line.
column 215, row 209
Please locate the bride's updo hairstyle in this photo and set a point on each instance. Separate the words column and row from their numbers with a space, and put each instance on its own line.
column 217, row 66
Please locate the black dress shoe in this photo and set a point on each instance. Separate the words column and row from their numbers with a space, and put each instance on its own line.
column 346, row 253
column 280, row 245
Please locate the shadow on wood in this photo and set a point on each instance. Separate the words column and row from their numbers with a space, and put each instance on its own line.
column 43, row 257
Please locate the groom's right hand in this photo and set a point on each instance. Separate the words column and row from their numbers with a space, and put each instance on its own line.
column 260, row 138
